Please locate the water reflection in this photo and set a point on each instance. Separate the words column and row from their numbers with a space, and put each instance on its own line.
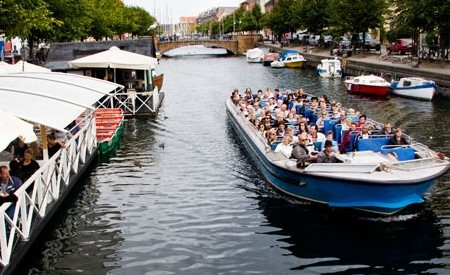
column 326, row 241
column 83, row 239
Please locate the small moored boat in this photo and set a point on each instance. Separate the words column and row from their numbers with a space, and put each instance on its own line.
column 269, row 58
column 109, row 123
column 254, row 55
column 368, row 85
column 373, row 176
column 414, row 87
column 292, row 59
column 277, row 64
column 329, row 68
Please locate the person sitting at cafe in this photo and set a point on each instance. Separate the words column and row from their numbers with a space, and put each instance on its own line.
column 28, row 166
column 8, row 186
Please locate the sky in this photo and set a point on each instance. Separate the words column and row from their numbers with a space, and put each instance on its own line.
column 170, row 11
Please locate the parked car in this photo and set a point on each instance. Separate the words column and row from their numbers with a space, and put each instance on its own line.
column 367, row 42
column 400, row 46
column 313, row 40
column 343, row 41
column 328, row 40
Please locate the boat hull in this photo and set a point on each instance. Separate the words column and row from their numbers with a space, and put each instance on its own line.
column 362, row 89
column 295, row 64
column 423, row 92
column 109, row 127
column 158, row 81
column 378, row 197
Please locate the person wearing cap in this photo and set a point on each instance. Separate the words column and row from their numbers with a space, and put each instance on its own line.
column 327, row 155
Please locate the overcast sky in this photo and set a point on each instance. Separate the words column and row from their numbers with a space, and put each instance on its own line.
column 170, row 11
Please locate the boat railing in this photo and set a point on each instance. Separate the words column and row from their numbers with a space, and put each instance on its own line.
column 40, row 193
column 133, row 101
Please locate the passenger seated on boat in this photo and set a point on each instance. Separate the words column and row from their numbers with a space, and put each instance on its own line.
column 398, row 139
column 256, row 108
column 290, row 131
column 365, row 133
column 281, row 130
column 387, row 129
column 328, row 155
column 329, row 137
column 315, row 135
column 302, row 127
column 8, row 186
column 361, row 122
column 291, row 118
column 271, row 104
column 320, row 122
column 285, row 146
column 248, row 96
column 352, row 114
column 271, row 137
column 262, row 129
column 301, row 153
column 347, row 125
column 235, row 97
column 342, row 118
column 279, row 120
column 346, row 138
column 244, row 109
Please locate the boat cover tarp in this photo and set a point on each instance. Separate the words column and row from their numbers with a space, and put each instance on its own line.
column 115, row 58
column 51, row 99
column 13, row 127
column 255, row 53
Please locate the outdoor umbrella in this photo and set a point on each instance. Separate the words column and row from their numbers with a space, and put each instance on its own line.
column 12, row 128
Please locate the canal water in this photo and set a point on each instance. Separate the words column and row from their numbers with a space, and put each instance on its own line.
column 182, row 197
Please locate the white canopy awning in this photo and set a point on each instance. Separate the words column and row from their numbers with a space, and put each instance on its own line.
column 51, row 99
column 115, row 58
column 21, row 66
column 12, row 128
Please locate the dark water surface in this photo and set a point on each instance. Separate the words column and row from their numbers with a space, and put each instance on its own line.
column 199, row 206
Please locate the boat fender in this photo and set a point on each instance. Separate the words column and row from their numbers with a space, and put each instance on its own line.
column 384, row 167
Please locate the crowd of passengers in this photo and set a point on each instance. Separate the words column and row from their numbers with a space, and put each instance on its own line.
column 293, row 123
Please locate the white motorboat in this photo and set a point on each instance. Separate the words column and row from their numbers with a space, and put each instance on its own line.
column 329, row 68
column 277, row 64
column 414, row 87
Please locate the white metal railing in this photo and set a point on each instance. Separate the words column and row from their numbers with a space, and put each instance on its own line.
column 37, row 194
column 133, row 102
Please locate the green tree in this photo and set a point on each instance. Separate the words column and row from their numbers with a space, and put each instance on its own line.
column 356, row 15
column 282, row 19
column 18, row 18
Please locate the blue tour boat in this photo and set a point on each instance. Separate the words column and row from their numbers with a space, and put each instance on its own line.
column 369, row 178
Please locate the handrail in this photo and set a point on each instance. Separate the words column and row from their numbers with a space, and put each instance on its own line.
column 47, row 184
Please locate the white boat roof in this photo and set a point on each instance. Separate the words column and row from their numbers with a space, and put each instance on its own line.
column 49, row 98
column 115, row 58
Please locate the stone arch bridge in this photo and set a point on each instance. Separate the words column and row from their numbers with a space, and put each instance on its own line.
column 237, row 45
